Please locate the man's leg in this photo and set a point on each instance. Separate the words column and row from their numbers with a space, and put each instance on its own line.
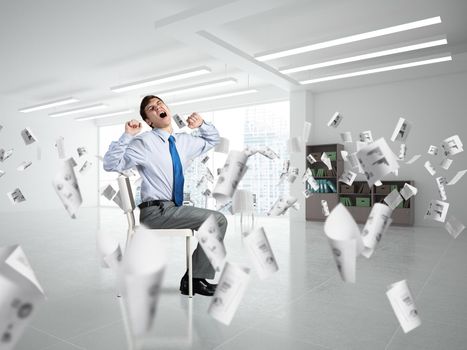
column 168, row 216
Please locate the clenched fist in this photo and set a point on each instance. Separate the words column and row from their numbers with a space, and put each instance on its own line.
column 194, row 121
column 133, row 127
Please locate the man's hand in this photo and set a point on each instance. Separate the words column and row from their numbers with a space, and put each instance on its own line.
column 133, row 127
column 194, row 121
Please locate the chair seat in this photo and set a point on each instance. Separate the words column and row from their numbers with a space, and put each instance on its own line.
column 183, row 232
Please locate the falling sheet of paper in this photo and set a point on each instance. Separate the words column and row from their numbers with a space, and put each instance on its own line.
column 109, row 192
column 393, row 199
column 267, row 152
column 81, row 151
column 403, row 305
column 433, row 150
column 457, row 177
column 28, row 136
column 281, row 205
column 229, row 292
column 324, row 207
column 346, row 136
column 366, row 136
column 345, row 241
column 452, row 145
column 179, row 121
column 437, row 210
column 446, row 163
column 24, row 165
column 454, row 226
column 429, row 167
column 210, row 238
column 230, row 176
column 402, row 151
column 85, row 168
column 377, row 160
column 413, row 159
column 408, row 191
column 20, row 295
column 348, row 177
column 140, row 278
column 440, row 182
column 376, row 225
column 260, row 252
column 335, row 120
column 325, row 159
column 4, row 155
column 310, row 159
column 307, row 193
column 16, row 196
column 2, row 173
column 401, row 131
column 67, row 188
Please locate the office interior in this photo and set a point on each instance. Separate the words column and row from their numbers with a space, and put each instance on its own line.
column 217, row 58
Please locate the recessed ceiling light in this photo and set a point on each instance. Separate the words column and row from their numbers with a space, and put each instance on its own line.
column 350, row 39
column 378, row 70
column 162, row 79
column 366, row 56
column 97, row 116
column 214, row 97
column 197, row 87
column 78, row 110
column 49, row 105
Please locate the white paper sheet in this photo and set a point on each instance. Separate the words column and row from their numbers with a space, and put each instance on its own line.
column 403, row 305
column 230, row 176
column 408, row 191
column 393, row 199
column 67, row 188
column 81, row 151
column 24, row 165
column 429, row 167
column 4, row 155
column 376, row 225
column 401, row 131
column 293, row 174
column 16, row 196
column 457, row 177
column 437, row 210
column 348, row 177
column 20, row 295
column 324, row 207
column 413, row 159
column 307, row 193
column 366, row 136
column 345, row 241
column 85, row 167
column 229, row 292
column 433, row 150
column 454, row 226
column 310, row 159
column 179, row 121
column 2, row 173
column 108, row 192
column 281, row 205
column 210, row 238
column 260, row 252
column 402, row 151
column 446, row 163
column 335, row 120
column 377, row 160
column 140, row 278
column 28, row 136
column 267, row 152
column 452, row 145
column 440, row 182
column 346, row 136
column 325, row 159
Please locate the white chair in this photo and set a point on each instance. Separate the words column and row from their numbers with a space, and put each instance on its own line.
column 128, row 206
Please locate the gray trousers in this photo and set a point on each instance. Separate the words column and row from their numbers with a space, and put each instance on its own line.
column 168, row 216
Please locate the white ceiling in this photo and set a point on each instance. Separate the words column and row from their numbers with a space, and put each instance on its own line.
column 53, row 49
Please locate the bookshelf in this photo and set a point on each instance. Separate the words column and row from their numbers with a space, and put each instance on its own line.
column 358, row 198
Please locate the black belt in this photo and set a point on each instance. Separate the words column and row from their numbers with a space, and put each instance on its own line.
column 151, row 203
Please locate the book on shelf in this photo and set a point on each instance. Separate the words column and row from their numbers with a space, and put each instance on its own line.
column 325, row 186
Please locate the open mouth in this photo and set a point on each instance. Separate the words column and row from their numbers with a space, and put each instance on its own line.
column 163, row 115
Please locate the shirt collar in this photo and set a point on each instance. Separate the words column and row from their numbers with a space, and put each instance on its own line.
column 164, row 135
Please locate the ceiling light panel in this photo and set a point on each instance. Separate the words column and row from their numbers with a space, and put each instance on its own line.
column 162, row 79
column 106, row 115
column 78, row 110
column 214, row 97
column 198, row 87
column 50, row 104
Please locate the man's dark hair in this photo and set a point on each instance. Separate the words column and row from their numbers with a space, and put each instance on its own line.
column 144, row 103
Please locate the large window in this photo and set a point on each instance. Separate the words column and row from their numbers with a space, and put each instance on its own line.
column 254, row 126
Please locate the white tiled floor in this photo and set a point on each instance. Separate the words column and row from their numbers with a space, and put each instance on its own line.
column 304, row 306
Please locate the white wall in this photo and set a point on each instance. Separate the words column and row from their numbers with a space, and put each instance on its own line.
column 36, row 181
column 437, row 108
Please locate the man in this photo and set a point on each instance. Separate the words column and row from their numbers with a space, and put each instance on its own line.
column 160, row 157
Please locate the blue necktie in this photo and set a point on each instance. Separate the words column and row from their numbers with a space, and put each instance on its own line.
column 177, row 188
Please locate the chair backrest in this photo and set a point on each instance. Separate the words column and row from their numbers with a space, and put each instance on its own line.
column 126, row 194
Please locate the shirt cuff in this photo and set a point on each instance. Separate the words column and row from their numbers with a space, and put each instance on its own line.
column 125, row 138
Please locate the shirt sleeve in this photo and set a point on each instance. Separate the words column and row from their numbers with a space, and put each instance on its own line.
column 207, row 139
column 125, row 153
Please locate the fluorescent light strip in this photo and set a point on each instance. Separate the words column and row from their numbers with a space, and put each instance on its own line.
column 377, row 70
column 163, row 79
column 215, row 97
column 77, row 110
column 48, row 105
column 209, row 85
column 351, row 38
column 366, row 56
column 98, row 116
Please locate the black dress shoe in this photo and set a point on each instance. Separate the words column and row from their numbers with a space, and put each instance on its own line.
column 200, row 286
column 210, row 285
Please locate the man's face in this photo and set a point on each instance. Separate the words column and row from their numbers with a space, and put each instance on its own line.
column 157, row 114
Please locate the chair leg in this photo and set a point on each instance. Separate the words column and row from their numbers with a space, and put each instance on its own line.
column 189, row 265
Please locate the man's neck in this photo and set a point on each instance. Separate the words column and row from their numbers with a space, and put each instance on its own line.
column 168, row 129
